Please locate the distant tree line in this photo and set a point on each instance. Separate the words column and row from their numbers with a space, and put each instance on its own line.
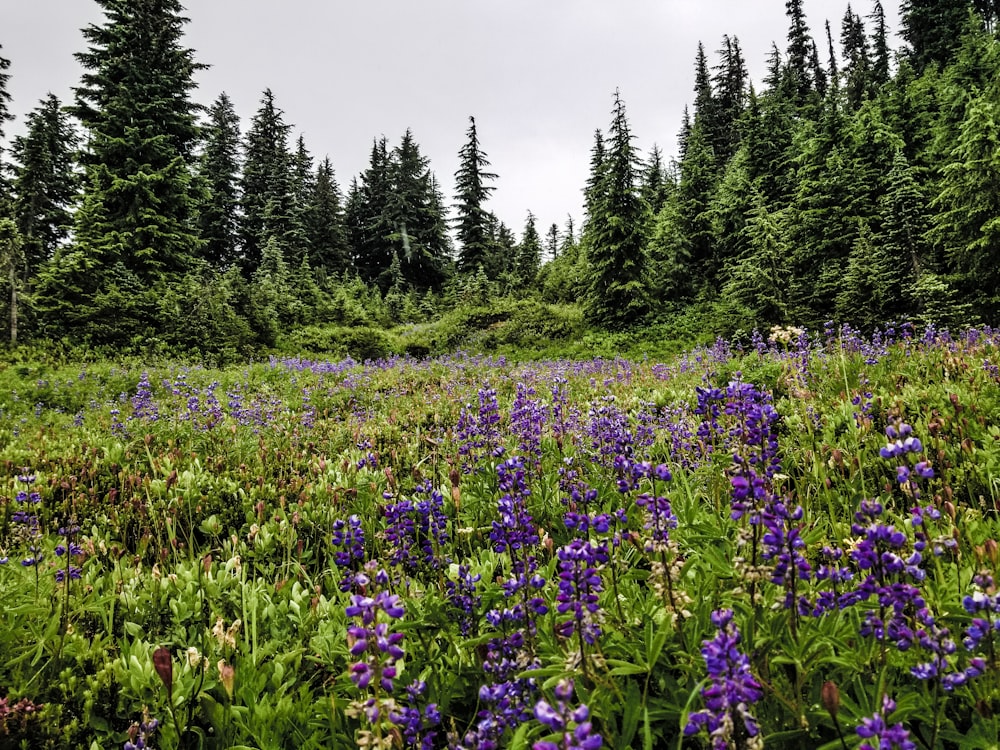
column 860, row 184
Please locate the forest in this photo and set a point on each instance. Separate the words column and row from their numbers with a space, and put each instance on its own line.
column 857, row 183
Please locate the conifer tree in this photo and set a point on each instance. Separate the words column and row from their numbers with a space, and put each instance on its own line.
column 933, row 29
column 45, row 182
column 857, row 59
column 552, row 242
column 267, row 200
column 5, row 115
column 135, row 229
column 594, row 190
column 656, row 184
column 419, row 228
column 529, row 253
column 799, row 48
column 219, row 170
column 880, row 47
column 367, row 213
column 616, row 254
column 329, row 250
column 698, row 177
column 472, row 220
column 730, row 85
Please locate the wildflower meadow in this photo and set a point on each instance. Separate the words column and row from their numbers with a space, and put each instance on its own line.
column 777, row 542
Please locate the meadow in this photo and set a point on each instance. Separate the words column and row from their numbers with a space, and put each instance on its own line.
column 783, row 542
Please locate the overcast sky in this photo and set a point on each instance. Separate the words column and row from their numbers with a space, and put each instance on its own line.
column 538, row 75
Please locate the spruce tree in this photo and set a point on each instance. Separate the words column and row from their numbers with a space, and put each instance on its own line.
column 219, row 170
column 419, row 228
column 858, row 78
column 329, row 250
column 136, row 229
column 656, row 186
column 529, row 254
column 552, row 242
column 5, row 115
column 616, row 254
column 933, row 29
column 880, row 47
column 730, row 85
column 472, row 221
column 799, row 48
column 370, row 226
column 45, row 182
column 266, row 188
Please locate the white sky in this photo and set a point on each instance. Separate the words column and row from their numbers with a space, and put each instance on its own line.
column 538, row 75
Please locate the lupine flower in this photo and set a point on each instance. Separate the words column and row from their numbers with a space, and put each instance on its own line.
column 372, row 643
column 573, row 724
column 732, row 689
column 579, row 588
column 416, row 726
column 139, row 733
column 879, row 735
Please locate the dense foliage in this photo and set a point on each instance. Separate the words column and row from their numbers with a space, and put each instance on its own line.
column 788, row 541
column 855, row 182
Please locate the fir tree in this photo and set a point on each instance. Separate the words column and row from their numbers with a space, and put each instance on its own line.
column 616, row 254
column 933, row 29
column 135, row 230
column 266, row 187
column 880, row 47
column 219, row 170
column 799, row 47
column 45, row 182
column 329, row 250
column 857, row 59
column 552, row 242
column 419, row 228
column 656, row 184
column 5, row 115
column 529, row 254
column 471, row 193
column 730, row 84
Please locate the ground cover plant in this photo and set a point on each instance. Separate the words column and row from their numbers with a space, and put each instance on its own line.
column 776, row 542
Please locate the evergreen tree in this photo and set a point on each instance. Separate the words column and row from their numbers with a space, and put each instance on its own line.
column 529, row 254
column 5, row 115
column 593, row 192
column 857, row 59
column 966, row 225
column 45, row 182
column 472, row 220
column 616, row 254
column 698, row 176
column 369, row 224
column 880, row 47
column 552, row 242
column 266, row 188
column 419, row 228
column 871, row 291
column 758, row 284
column 219, row 170
column 656, row 184
column 799, row 48
column 933, row 29
column 730, row 84
column 135, row 230
column 329, row 250
column 303, row 189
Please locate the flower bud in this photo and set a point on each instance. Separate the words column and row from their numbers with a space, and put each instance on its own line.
column 829, row 696
column 164, row 666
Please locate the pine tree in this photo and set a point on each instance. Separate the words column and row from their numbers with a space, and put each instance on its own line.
column 266, row 189
column 616, row 253
column 219, row 170
column 135, row 230
column 472, row 219
column 329, row 250
column 45, row 182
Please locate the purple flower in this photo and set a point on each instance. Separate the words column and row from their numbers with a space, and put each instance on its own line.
column 579, row 587
column 731, row 690
column 572, row 723
column 880, row 735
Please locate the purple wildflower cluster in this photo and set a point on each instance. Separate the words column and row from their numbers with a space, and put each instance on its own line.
column 372, row 642
column 479, row 432
column 416, row 726
column 349, row 556
column 878, row 734
column 528, row 416
column 732, row 689
column 139, row 734
column 417, row 530
column 579, row 590
column 572, row 725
